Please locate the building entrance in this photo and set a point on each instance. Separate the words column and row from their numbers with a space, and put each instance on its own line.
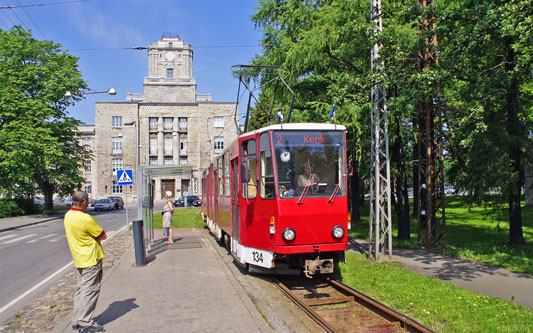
column 185, row 183
column 167, row 185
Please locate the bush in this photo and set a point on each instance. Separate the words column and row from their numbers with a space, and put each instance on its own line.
column 9, row 208
column 27, row 206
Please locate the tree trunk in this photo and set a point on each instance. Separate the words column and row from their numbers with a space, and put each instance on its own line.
column 415, row 177
column 402, row 202
column 48, row 192
column 516, row 235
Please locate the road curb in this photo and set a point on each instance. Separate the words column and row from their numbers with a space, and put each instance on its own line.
column 32, row 223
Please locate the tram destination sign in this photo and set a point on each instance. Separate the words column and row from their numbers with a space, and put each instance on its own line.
column 307, row 139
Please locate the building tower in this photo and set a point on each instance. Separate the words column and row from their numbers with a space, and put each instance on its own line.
column 168, row 124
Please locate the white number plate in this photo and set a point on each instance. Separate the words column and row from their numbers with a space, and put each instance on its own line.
column 259, row 257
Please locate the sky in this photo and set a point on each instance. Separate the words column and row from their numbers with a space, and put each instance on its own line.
column 99, row 33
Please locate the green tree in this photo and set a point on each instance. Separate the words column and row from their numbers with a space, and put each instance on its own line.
column 488, row 58
column 39, row 147
column 325, row 45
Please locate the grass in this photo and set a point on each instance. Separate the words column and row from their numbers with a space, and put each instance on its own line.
column 183, row 218
column 479, row 233
column 437, row 304
column 54, row 211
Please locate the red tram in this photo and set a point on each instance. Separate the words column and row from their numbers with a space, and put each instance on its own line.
column 277, row 198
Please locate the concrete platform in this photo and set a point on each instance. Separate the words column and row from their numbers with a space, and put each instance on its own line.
column 185, row 287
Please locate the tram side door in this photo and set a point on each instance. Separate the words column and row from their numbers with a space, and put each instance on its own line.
column 235, row 221
column 215, row 196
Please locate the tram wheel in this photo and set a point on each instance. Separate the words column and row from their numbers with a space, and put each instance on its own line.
column 227, row 243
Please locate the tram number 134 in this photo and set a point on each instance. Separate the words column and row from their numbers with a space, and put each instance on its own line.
column 257, row 256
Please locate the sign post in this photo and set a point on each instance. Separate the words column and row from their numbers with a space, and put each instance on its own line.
column 125, row 177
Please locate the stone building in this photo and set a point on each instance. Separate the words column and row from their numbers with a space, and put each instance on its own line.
column 87, row 140
column 172, row 123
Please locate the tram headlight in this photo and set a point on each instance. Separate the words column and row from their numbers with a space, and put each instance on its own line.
column 337, row 232
column 288, row 234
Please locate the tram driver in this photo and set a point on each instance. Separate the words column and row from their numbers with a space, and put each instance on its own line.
column 308, row 177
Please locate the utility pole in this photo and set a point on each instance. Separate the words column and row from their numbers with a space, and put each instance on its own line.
column 431, row 196
column 380, row 185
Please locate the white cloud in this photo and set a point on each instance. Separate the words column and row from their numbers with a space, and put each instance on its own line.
column 105, row 28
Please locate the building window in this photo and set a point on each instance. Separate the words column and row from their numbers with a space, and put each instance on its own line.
column 183, row 123
column 218, row 145
column 153, row 146
column 183, row 160
column 195, row 185
column 167, row 123
column 219, row 121
column 170, row 73
column 88, row 144
column 168, row 160
column 116, row 146
column 168, row 146
column 153, row 123
column 88, row 187
column 87, row 166
column 116, row 164
column 183, row 146
column 153, row 160
column 116, row 188
column 117, row 121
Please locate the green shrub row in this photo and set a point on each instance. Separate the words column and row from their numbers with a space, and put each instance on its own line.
column 17, row 207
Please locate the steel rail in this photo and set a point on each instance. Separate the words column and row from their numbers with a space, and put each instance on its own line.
column 306, row 308
column 352, row 295
column 409, row 324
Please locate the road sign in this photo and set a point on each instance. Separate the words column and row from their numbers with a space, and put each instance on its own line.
column 125, row 177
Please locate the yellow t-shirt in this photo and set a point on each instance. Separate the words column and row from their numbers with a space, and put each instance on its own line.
column 82, row 229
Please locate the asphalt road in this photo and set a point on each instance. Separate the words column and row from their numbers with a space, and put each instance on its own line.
column 31, row 255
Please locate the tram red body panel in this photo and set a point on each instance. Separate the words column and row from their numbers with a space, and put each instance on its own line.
column 311, row 220
column 255, row 212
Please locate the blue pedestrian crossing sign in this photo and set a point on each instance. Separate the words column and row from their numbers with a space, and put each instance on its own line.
column 125, row 177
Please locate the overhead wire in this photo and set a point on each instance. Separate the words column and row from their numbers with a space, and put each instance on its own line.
column 35, row 24
column 44, row 4
column 5, row 25
column 9, row 19
column 18, row 18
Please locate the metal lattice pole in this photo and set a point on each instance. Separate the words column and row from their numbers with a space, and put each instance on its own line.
column 380, row 185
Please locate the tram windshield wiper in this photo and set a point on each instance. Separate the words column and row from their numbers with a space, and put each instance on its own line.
column 304, row 193
column 337, row 188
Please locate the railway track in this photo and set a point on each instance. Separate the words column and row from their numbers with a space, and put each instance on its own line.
column 337, row 307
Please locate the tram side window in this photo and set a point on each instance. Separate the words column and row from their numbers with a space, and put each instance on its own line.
column 266, row 178
column 249, row 157
column 226, row 175
column 220, row 176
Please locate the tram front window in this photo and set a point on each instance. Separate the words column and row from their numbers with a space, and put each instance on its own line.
column 309, row 159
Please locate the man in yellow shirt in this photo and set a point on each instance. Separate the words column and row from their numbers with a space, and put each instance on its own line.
column 84, row 236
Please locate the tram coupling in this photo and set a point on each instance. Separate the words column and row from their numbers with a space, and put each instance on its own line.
column 318, row 266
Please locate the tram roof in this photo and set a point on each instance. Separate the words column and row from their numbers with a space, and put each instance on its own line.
column 298, row 127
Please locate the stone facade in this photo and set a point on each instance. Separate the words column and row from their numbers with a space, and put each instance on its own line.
column 175, row 126
column 87, row 139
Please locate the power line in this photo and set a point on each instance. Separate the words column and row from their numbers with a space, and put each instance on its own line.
column 18, row 18
column 137, row 48
column 44, row 4
column 35, row 24
column 9, row 18
column 224, row 46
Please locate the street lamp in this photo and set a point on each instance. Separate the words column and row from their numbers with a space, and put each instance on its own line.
column 134, row 123
column 110, row 91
